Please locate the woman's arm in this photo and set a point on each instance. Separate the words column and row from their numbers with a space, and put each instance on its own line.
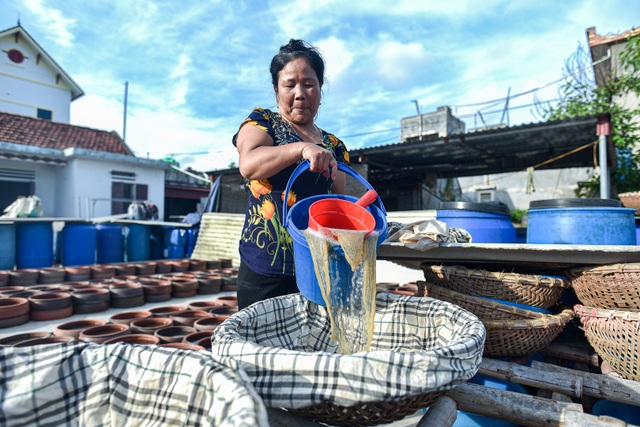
column 259, row 158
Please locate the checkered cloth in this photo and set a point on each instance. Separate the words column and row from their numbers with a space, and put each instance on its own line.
column 420, row 345
column 82, row 384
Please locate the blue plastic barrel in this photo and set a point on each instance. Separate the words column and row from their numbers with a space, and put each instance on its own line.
column 110, row 243
column 175, row 251
column 7, row 246
column 630, row 414
column 468, row 419
column 34, row 244
column 192, row 238
column 176, row 236
column 581, row 222
column 486, row 222
column 156, row 237
column 297, row 219
column 138, row 245
column 79, row 242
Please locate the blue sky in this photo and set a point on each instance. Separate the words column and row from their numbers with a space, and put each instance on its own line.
column 197, row 68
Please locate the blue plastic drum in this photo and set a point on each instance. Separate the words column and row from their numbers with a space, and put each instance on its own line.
column 110, row 243
column 138, row 242
column 486, row 222
column 581, row 222
column 34, row 244
column 79, row 243
column 7, row 246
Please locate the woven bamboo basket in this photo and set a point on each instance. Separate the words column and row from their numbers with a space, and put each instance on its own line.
column 614, row 336
column 533, row 290
column 367, row 414
column 612, row 286
column 511, row 331
column 631, row 200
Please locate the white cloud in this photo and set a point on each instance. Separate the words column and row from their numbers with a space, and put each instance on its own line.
column 397, row 62
column 183, row 66
column 337, row 57
column 53, row 19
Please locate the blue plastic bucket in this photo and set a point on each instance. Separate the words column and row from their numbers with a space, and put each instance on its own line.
column 486, row 222
column 467, row 419
column 7, row 246
column 630, row 414
column 137, row 242
column 79, row 243
column 297, row 219
column 110, row 243
column 581, row 222
column 34, row 244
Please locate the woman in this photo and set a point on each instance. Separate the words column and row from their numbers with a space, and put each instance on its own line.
column 270, row 146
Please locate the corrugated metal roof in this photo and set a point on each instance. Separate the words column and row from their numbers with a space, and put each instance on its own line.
column 484, row 152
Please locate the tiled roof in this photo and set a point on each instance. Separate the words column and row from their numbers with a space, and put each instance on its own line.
column 47, row 134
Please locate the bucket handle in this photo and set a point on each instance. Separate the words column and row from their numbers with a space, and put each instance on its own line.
column 304, row 166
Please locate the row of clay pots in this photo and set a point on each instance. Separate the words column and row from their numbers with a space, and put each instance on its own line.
column 49, row 275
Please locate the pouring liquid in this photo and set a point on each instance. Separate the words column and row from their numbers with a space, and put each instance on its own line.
column 348, row 288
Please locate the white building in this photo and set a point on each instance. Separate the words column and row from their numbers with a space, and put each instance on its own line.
column 75, row 171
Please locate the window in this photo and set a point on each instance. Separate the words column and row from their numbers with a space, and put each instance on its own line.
column 124, row 193
column 45, row 114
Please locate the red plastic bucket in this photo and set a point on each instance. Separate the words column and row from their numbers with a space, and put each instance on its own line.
column 337, row 214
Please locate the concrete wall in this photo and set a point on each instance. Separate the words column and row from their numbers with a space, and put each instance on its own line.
column 441, row 123
column 31, row 85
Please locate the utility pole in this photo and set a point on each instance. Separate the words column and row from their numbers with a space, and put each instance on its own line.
column 419, row 115
column 124, row 120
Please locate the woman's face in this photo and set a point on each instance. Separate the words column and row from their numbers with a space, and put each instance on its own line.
column 298, row 92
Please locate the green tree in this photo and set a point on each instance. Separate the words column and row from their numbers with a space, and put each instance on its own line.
column 579, row 96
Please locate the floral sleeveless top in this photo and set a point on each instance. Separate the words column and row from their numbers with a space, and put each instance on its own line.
column 265, row 244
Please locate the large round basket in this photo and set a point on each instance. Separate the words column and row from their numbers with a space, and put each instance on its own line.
column 612, row 286
column 614, row 336
column 511, row 331
column 631, row 200
column 533, row 290
column 421, row 347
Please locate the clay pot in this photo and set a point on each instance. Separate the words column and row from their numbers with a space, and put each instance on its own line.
column 178, row 265
column 125, row 269
column 167, row 311
column 194, row 337
column 224, row 312
column 125, row 318
column 197, row 265
column 42, row 315
column 204, row 305
column 226, row 263
column 49, row 288
column 228, row 300
column 229, row 283
column 91, row 300
column 73, row 329
column 205, row 342
column 102, row 271
column 149, row 325
column 146, row 268
column 173, row 334
column 13, row 307
column 209, row 283
column 183, row 287
column 99, row 334
column 24, row 277
column 77, row 273
column 209, row 324
column 386, row 286
column 44, row 340
column 47, row 301
column 213, row 264
column 7, row 291
column 51, row 275
column 183, row 346
column 163, row 267
column 142, row 339
column 188, row 317
column 15, row 339
column 4, row 277
column 156, row 290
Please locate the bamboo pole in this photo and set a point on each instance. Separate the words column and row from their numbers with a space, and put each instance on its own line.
column 567, row 351
column 563, row 380
column 442, row 413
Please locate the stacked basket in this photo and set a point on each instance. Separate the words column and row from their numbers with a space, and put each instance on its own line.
column 610, row 314
column 511, row 306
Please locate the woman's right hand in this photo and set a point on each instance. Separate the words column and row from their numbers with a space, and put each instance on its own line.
column 320, row 160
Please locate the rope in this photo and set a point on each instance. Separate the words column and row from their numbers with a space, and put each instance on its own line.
column 561, row 156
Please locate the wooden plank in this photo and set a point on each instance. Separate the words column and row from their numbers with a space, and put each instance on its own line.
column 573, row 352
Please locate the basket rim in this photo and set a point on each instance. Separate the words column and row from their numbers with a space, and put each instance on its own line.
column 562, row 318
column 529, row 314
column 602, row 313
column 510, row 277
column 629, row 194
column 600, row 270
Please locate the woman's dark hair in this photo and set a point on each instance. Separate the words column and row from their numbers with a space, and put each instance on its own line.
column 293, row 50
